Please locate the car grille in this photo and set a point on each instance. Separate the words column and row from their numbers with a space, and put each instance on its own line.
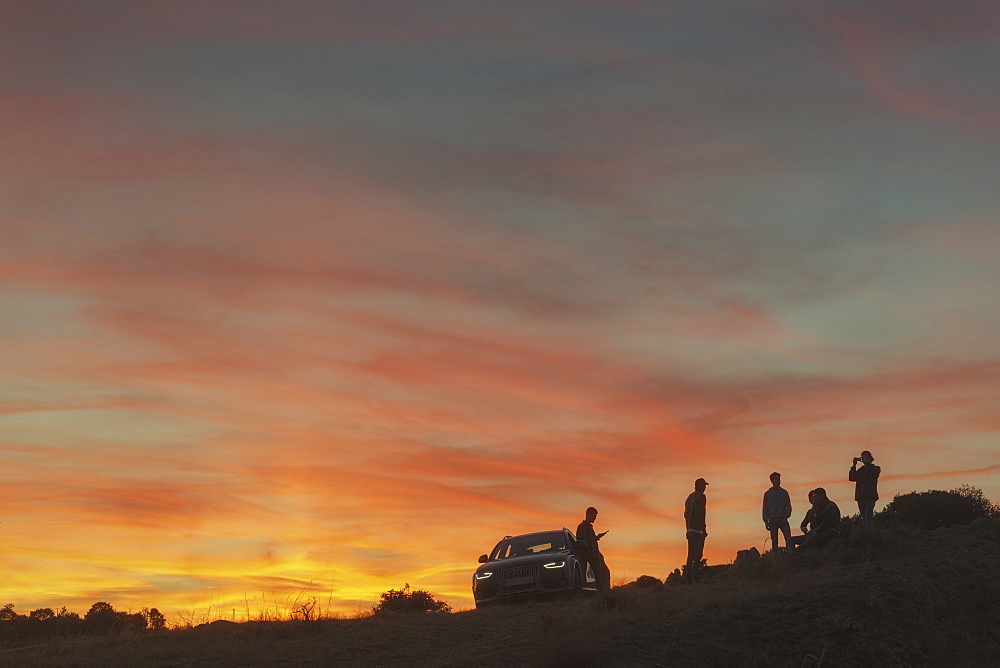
column 513, row 579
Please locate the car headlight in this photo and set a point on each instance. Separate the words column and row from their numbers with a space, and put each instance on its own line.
column 555, row 564
column 483, row 576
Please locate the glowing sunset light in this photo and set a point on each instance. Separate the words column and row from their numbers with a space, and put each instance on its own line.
column 311, row 300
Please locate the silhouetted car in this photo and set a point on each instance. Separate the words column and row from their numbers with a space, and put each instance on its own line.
column 532, row 563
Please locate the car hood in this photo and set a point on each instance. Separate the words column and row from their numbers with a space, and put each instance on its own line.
column 526, row 560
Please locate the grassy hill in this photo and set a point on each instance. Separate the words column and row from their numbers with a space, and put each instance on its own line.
column 891, row 598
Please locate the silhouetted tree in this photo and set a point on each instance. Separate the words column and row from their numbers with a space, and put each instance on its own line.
column 936, row 508
column 100, row 618
column 131, row 620
column 42, row 614
column 154, row 618
column 103, row 618
column 65, row 623
column 405, row 600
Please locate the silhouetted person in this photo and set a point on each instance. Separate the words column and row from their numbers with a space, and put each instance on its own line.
column 776, row 510
column 589, row 550
column 865, row 481
column 825, row 522
column 809, row 521
column 694, row 521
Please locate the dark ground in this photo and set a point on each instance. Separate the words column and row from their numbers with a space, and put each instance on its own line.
column 891, row 598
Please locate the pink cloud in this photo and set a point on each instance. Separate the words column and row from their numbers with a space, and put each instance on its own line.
column 364, row 364
column 877, row 47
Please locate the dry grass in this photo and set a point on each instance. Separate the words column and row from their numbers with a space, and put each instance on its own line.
column 315, row 601
column 898, row 598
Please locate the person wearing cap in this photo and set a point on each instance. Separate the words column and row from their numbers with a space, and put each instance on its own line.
column 777, row 508
column 694, row 520
column 865, row 481
column 586, row 543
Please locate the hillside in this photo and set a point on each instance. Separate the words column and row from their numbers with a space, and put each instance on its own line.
column 906, row 598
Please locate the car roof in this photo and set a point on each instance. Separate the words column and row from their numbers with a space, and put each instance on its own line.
column 539, row 533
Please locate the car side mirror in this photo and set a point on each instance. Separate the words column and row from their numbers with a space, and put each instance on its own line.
column 483, row 558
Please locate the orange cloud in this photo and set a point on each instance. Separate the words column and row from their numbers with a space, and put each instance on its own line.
column 252, row 358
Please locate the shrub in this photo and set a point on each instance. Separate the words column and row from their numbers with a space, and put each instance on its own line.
column 648, row 582
column 39, row 623
column 936, row 508
column 103, row 618
column 405, row 600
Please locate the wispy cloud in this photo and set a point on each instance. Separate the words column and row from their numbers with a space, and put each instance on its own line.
column 308, row 294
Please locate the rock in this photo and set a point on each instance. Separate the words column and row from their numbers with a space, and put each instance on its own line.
column 745, row 558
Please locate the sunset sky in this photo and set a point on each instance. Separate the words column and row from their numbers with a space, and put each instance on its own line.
column 323, row 296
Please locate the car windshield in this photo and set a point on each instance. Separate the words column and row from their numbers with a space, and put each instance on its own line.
column 519, row 546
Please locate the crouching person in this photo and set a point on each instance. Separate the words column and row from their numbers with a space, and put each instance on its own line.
column 825, row 521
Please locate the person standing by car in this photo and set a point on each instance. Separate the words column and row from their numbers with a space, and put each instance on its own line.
column 590, row 552
column 865, row 481
column 694, row 520
column 777, row 508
